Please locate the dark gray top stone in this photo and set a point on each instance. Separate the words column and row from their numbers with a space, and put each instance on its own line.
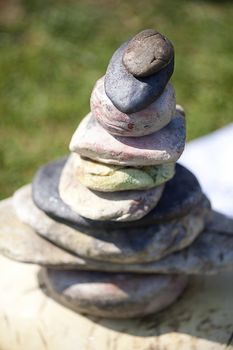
column 128, row 93
column 181, row 194
column 147, row 53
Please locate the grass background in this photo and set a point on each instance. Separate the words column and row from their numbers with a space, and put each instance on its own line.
column 52, row 52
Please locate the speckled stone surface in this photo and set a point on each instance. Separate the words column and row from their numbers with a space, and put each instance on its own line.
column 147, row 53
column 115, row 206
column 113, row 295
column 91, row 140
column 19, row 241
column 181, row 194
column 128, row 245
column 211, row 252
column 200, row 320
column 146, row 121
column 111, row 178
column 221, row 223
column 128, row 93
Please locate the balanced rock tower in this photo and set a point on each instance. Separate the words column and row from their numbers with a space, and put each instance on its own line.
column 117, row 226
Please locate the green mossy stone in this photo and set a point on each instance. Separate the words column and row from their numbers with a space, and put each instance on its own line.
column 111, row 178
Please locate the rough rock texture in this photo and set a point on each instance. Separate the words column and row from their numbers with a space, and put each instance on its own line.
column 19, row 241
column 152, row 118
column 115, row 206
column 128, row 245
column 221, row 223
column 147, row 53
column 91, row 140
column 128, row 93
column 42, row 324
column 113, row 295
column 181, row 194
column 210, row 253
column 111, row 178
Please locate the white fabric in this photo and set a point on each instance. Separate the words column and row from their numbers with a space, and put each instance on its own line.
column 210, row 158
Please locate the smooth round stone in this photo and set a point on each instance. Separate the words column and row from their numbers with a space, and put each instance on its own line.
column 181, row 194
column 113, row 295
column 154, row 117
column 111, row 178
column 200, row 320
column 91, row 140
column 128, row 245
column 211, row 252
column 115, row 206
column 128, row 93
column 147, row 53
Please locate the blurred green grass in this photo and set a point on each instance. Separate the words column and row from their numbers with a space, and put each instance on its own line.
column 52, row 52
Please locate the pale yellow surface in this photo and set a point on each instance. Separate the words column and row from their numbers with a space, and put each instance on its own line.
column 202, row 319
column 109, row 178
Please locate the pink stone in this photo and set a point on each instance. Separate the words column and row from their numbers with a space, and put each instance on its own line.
column 164, row 146
column 150, row 119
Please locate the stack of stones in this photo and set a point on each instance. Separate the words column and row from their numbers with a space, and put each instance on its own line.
column 118, row 226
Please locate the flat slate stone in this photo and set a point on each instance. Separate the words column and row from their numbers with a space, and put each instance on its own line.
column 147, row 53
column 113, row 295
column 200, row 320
column 128, row 93
column 221, row 223
column 91, row 140
column 19, row 241
column 211, row 252
column 111, row 178
column 181, row 194
column 114, row 206
column 150, row 119
column 127, row 245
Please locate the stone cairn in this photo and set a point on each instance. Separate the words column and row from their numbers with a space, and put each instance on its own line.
column 118, row 226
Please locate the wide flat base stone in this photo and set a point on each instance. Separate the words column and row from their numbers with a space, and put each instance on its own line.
column 211, row 252
column 200, row 320
column 128, row 245
column 113, row 295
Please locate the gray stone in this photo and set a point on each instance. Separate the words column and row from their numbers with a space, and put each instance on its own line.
column 19, row 241
column 91, row 140
column 148, row 120
column 113, row 295
column 128, row 93
column 211, row 252
column 221, row 223
column 30, row 320
column 181, row 194
column 147, row 53
column 115, row 206
column 131, row 245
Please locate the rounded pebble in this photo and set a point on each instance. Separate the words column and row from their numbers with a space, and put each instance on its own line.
column 147, row 53
column 148, row 120
column 128, row 93
column 116, row 206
